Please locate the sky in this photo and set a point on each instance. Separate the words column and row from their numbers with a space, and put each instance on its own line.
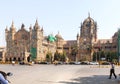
column 63, row 16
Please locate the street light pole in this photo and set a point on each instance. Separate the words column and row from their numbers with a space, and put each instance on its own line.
column 118, row 39
column 96, row 56
column 99, row 51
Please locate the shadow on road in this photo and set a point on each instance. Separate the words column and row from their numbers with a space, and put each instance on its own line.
column 95, row 79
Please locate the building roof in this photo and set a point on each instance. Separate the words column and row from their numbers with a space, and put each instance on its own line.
column 104, row 40
column 70, row 42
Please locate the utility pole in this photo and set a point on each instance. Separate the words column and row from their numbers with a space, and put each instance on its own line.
column 118, row 39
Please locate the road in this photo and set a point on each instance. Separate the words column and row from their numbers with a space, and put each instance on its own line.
column 60, row 74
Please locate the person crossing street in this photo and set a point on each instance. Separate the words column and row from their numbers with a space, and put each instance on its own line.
column 112, row 71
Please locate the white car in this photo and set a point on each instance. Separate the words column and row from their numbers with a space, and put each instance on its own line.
column 94, row 63
column 77, row 63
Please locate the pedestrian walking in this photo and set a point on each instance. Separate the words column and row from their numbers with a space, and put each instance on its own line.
column 112, row 70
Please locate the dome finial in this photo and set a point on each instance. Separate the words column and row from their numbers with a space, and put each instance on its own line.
column 88, row 14
column 22, row 26
column 12, row 25
column 58, row 32
column 36, row 23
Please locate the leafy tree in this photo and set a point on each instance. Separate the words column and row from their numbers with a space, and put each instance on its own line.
column 48, row 56
column 102, row 55
column 60, row 56
column 63, row 57
column 56, row 56
column 110, row 56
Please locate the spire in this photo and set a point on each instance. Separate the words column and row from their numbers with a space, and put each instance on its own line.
column 30, row 27
column 81, row 25
column 12, row 25
column 88, row 14
column 12, row 28
column 42, row 28
column 6, row 29
column 78, row 34
column 36, row 25
column 22, row 26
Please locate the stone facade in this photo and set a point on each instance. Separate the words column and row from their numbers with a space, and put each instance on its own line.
column 19, row 43
column 2, row 54
column 87, row 38
column 88, row 44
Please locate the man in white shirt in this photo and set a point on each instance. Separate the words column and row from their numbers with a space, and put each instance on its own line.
column 112, row 71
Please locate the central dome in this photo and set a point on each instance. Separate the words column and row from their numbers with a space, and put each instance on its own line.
column 88, row 20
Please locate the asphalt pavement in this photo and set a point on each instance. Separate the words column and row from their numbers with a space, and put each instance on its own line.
column 60, row 74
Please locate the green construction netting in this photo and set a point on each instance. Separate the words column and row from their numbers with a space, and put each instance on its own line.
column 33, row 53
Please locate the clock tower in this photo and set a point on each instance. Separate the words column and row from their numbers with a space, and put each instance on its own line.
column 88, row 36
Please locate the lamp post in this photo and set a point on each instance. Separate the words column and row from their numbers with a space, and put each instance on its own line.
column 99, row 56
column 96, row 55
column 118, row 39
column 99, row 52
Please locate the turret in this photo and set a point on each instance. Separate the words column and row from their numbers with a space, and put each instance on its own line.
column 30, row 28
column 78, row 38
column 95, row 31
column 6, row 33
column 22, row 26
column 36, row 25
column 12, row 30
column 42, row 29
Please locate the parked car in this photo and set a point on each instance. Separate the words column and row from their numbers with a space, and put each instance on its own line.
column 59, row 62
column 84, row 63
column 71, row 62
column 106, row 63
column 94, row 63
column 22, row 63
column 44, row 63
column 77, row 63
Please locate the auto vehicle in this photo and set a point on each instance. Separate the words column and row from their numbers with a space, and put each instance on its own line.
column 85, row 63
column 22, row 63
column 94, row 63
column 44, row 62
column 71, row 63
column 77, row 63
column 106, row 63
column 59, row 62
